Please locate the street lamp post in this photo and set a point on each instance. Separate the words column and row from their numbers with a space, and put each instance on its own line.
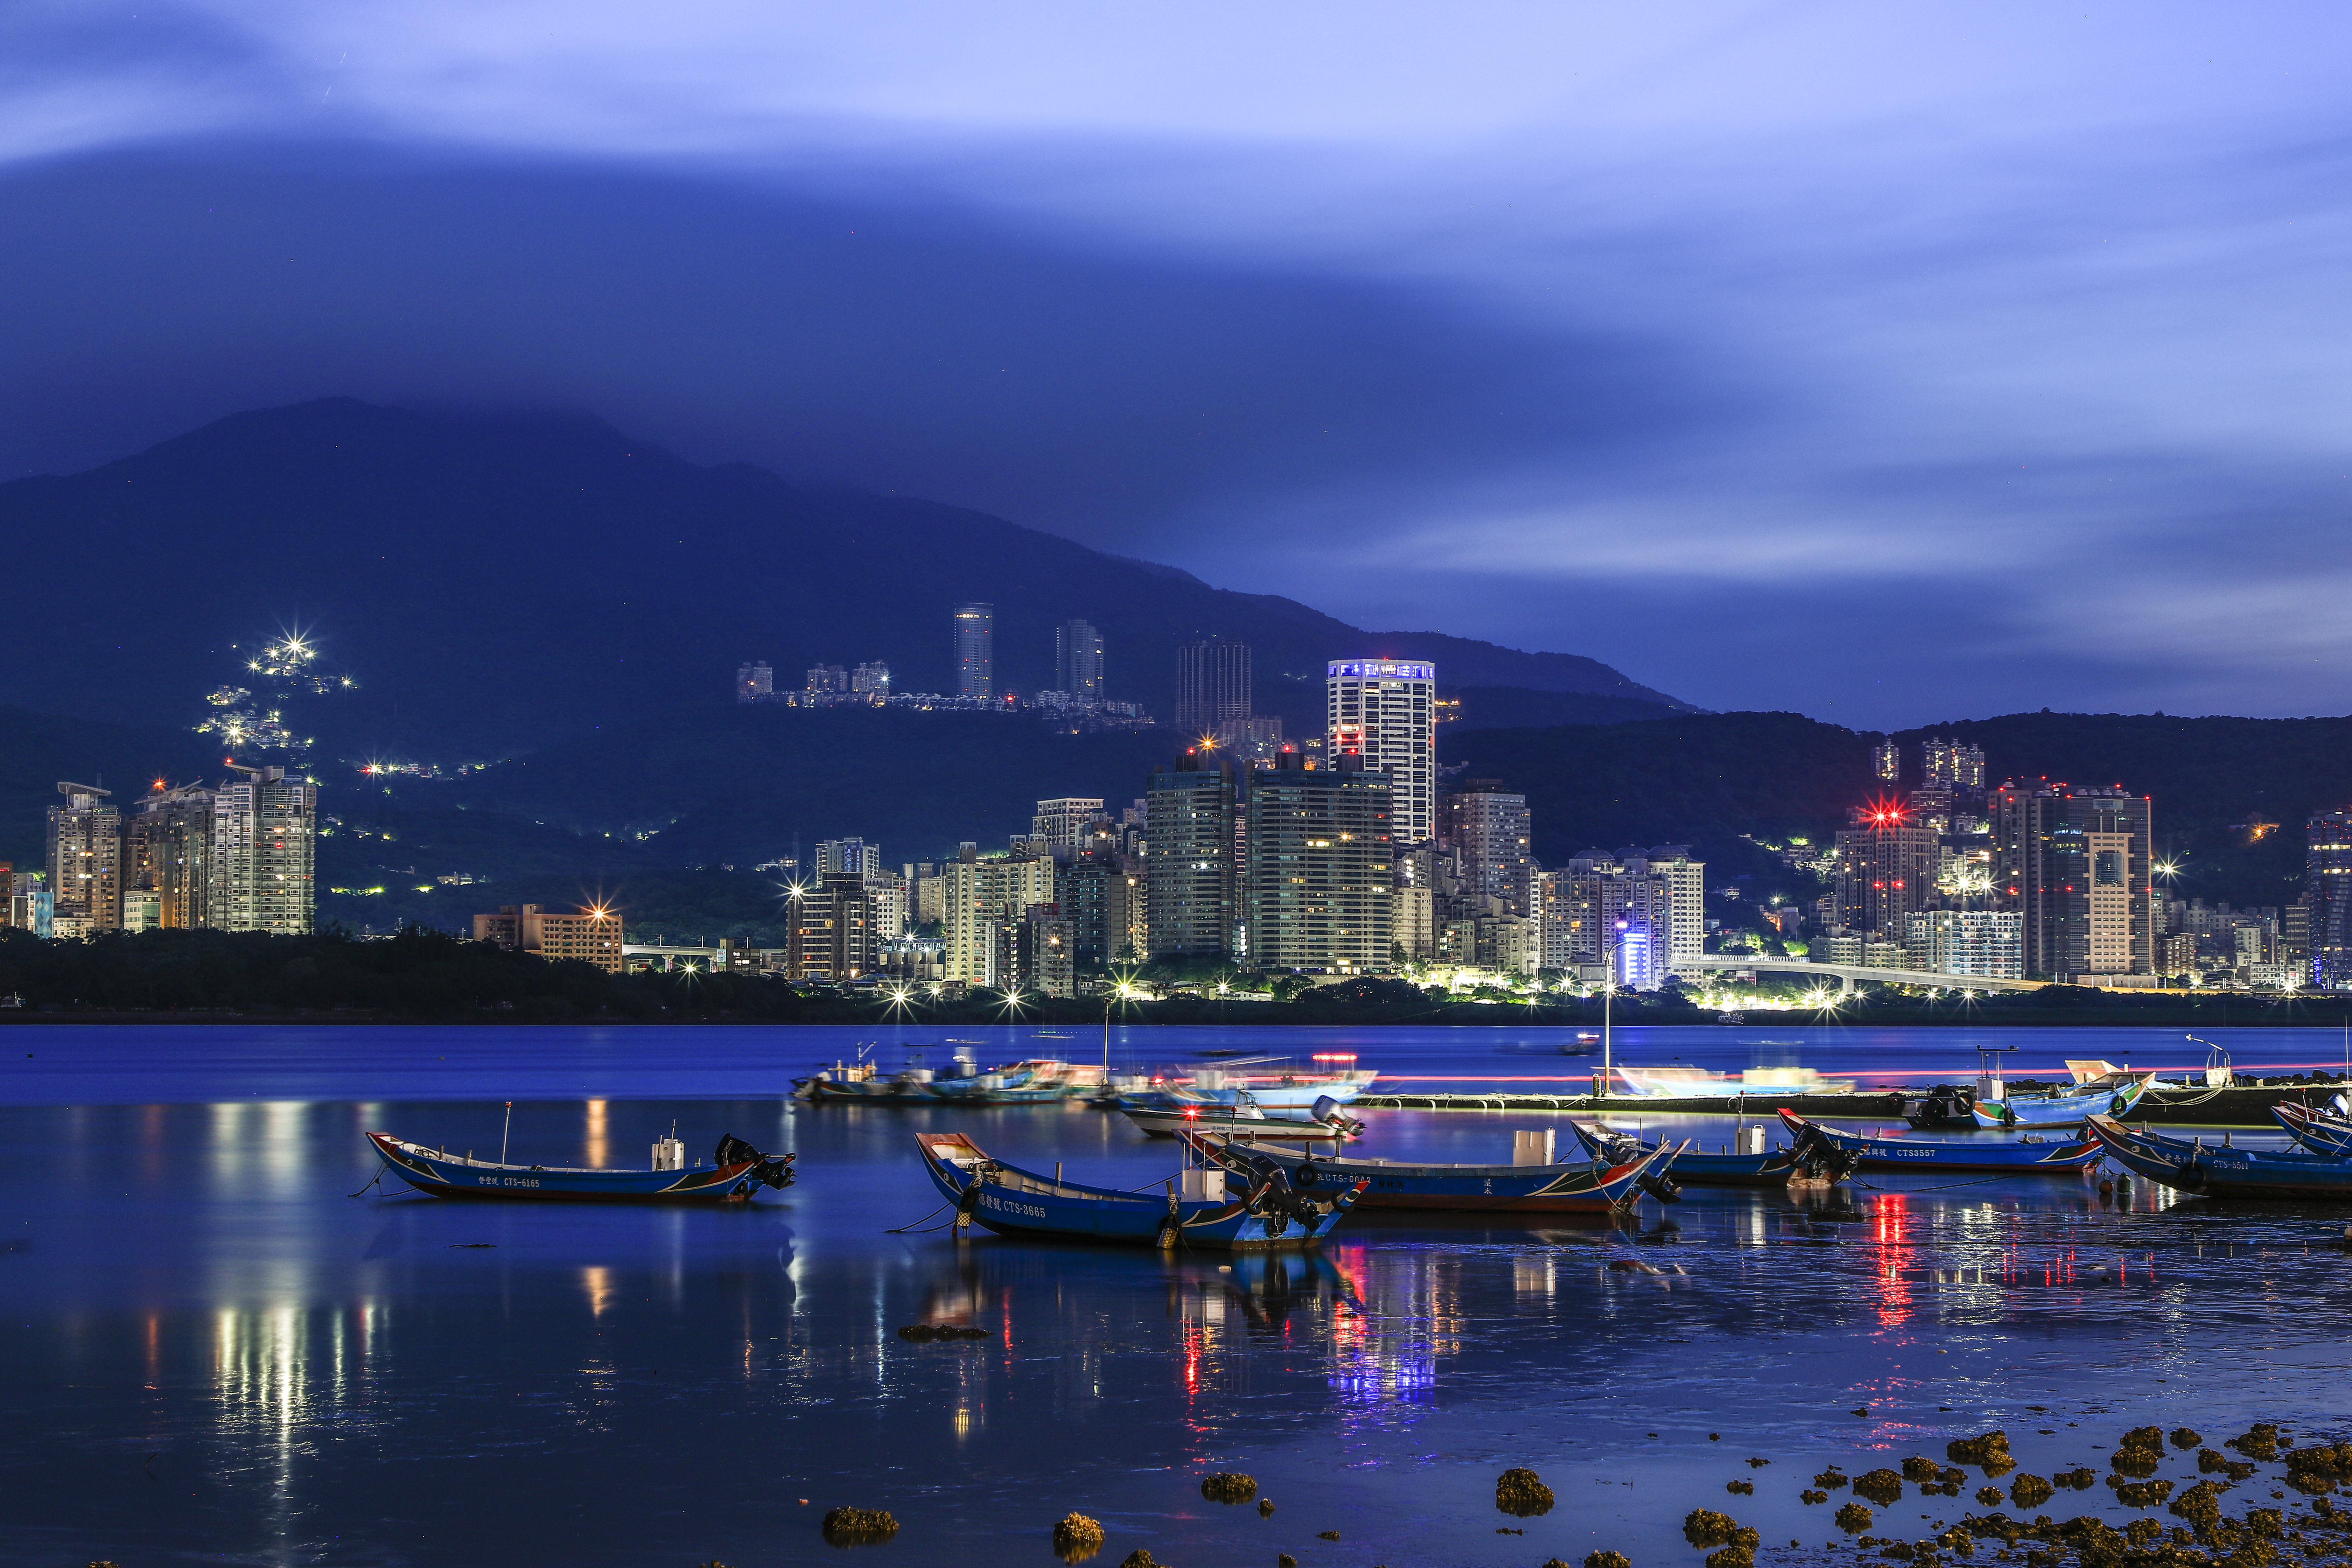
column 1608, row 997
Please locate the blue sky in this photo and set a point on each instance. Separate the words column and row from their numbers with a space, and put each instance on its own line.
column 1892, row 363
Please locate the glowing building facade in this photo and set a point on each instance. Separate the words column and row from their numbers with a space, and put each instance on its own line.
column 265, row 831
column 975, row 651
column 85, row 862
column 2327, row 900
column 1382, row 710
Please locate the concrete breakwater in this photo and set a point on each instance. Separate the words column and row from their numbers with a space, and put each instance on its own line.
column 2245, row 1106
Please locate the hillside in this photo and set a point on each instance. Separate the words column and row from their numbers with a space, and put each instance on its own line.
column 497, row 584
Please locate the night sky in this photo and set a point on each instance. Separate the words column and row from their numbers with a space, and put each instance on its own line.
column 1887, row 362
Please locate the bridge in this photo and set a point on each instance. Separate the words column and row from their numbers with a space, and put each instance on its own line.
column 1847, row 973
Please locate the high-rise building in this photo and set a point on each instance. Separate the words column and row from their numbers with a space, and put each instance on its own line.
column 1078, row 661
column 2074, row 862
column 1887, row 866
column 1954, row 764
column 824, row 679
column 1258, row 740
column 1380, row 710
column 84, row 861
column 1191, row 880
column 754, row 683
column 1045, row 952
column 1886, row 759
column 848, row 858
column 1986, row 944
column 29, row 905
column 2327, row 899
column 1212, row 684
column 588, row 936
column 832, row 931
column 264, row 852
column 1647, row 905
column 871, row 679
column 1062, row 824
column 1319, row 867
column 975, row 651
column 981, row 901
column 1102, row 895
column 1492, row 835
column 167, row 853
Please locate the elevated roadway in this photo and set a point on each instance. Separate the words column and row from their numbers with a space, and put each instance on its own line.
column 1847, row 973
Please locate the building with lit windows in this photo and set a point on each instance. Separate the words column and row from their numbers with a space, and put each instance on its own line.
column 1887, row 862
column 2073, row 861
column 975, row 651
column 1886, row 759
column 1063, row 824
column 981, row 901
column 1382, row 710
column 587, row 936
column 85, row 862
column 167, row 855
column 264, row 852
column 1078, row 661
column 1319, row 867
column 2327, row 900
column 1491, row 834
column 1987, row 944
column 755, row 683
column 1192, row 883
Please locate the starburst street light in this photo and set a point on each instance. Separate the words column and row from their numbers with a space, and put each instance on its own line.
column 1012, row 1002
column 898, row 1001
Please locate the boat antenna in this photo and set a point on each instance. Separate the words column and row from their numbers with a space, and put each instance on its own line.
column 502, row 1135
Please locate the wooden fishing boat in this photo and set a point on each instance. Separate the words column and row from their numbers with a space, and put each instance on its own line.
column 1808, row 1158
column 2192, row 1166
column 1204, row 1212
column 1583, row 1186
column 2315, row 1131
column 2019, row 1157
column 1166, row 1116
column 2062, row 1108
column 1023, row 1083
column 735, row 1174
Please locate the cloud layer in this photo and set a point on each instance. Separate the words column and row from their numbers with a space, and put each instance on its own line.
column 1886, row 366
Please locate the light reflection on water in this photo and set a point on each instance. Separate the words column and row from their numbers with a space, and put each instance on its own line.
column 395, row 1380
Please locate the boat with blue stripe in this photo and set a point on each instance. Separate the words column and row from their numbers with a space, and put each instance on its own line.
column 1197, row 1207
column 2062, row 1108
column 2316, row 1131
column 736, row 1173
column 2019, row 1157
column 1579, row 1186
column 1809, row 1160
column 2192, row 1166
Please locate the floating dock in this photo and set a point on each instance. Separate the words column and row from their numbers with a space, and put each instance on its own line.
column 2243, row 1106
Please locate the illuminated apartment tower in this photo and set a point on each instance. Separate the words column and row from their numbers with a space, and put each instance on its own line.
column 975, row 651
column 1381, row 709
column 84, row 861
column 167, row 855
column 263, row 849
column 2327, row 892
column 1212, row 684
column 1886, row 759
column 1492, row 833
column 2074, row 862
column 1078, row 661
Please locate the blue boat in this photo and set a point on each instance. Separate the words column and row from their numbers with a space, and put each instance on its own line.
column 2316, row 1131
column 735, row 1174
column 2022, row 1157
column 1583, row 1186
column 1010, row 1200
column 1809, row 1159
column 2062, row 1108
column 2191, row 1165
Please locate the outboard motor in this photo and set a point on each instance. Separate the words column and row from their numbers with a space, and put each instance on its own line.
column 776, row 1171
column 1661, row 1187
column 1326, row 1108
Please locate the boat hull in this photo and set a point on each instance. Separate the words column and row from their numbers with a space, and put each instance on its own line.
column 1012, row 1202
column 2064, row 1157
column 1773, row 1169
column 443, row 1175
column 2057, row 1109
column 2225, row 1173
column 1171, row 1123
column 1582, row 1187
column 2315, row 1133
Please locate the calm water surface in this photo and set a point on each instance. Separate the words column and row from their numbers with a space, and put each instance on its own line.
column 211, row 1354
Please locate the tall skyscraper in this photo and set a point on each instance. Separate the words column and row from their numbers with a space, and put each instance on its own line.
column 1492, row 833
column 1321, row 867
column 167, row 853
column 1987, row 944
column 1954, row 764
column 1102, row 894
column 2327, row 899
column 1078, row 661
column 871, row 679
column 1062, row 824
column 1212, row 684
column 981, row 901
column 1192, row 887
column 264, row 850
column 1887, row 866
column 849, row 858
column 832, row 931
column 1381, row 710
column 2074, row 862
column 975, row 651
column 1886, row 759
column 755, row 683
column 84, row 861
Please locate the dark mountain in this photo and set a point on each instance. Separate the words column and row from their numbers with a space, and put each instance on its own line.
column 1706, row 779
column 497, row 582
column 36, row 749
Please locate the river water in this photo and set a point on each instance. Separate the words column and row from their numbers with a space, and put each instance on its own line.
column 210, row 1352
